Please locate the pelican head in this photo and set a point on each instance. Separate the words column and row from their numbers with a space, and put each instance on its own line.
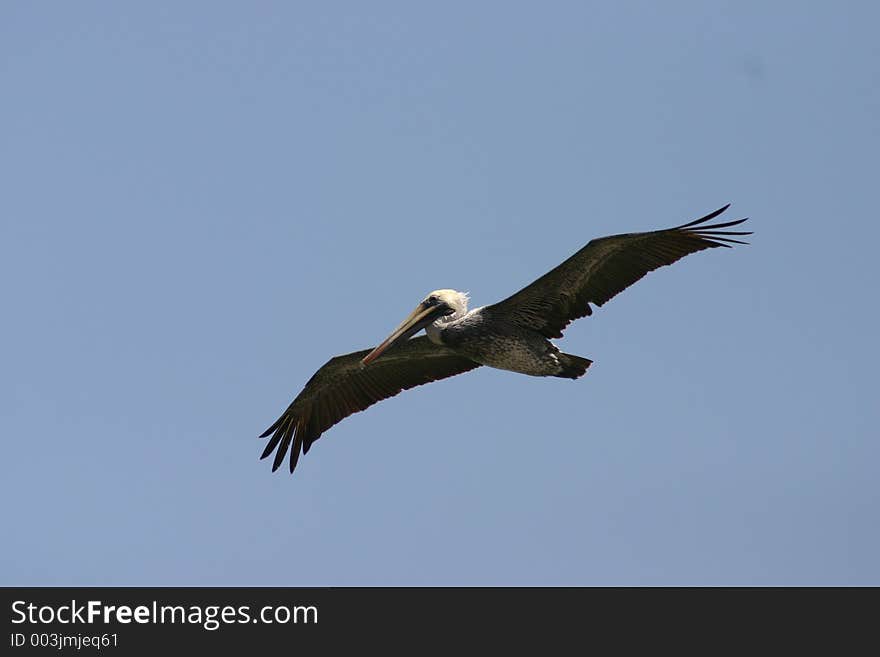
column 439, row 307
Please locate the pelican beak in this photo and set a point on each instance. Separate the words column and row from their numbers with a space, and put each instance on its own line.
column 418, row 319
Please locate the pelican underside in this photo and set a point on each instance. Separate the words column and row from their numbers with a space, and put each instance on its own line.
column 493, row 341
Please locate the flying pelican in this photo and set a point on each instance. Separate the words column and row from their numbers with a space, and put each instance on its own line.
column 513, row 334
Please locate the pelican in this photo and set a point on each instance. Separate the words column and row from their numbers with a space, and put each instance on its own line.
column 513, row 334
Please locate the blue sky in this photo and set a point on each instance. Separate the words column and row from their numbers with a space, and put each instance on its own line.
column 203, row 202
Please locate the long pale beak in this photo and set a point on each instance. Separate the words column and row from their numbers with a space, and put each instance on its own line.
column 417, row 320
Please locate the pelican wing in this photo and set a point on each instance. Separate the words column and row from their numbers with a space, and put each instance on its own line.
column 604, row 268
column 342, row 387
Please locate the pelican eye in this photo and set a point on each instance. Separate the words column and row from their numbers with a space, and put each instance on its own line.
column 432, row 300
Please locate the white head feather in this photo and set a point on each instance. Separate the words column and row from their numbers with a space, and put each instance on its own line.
column 456, row 300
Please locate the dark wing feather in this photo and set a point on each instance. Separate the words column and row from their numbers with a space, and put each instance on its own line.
column 342, row 387
column 604, row 268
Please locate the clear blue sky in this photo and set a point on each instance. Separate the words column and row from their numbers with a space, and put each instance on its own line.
column 202, row 202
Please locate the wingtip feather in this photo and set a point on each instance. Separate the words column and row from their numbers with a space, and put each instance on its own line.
column 704, row 219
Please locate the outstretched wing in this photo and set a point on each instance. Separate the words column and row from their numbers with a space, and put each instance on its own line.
column 604, row 268
column 342, row 387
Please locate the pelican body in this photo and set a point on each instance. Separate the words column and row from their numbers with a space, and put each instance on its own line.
column 514, row 334
column 485, row 336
